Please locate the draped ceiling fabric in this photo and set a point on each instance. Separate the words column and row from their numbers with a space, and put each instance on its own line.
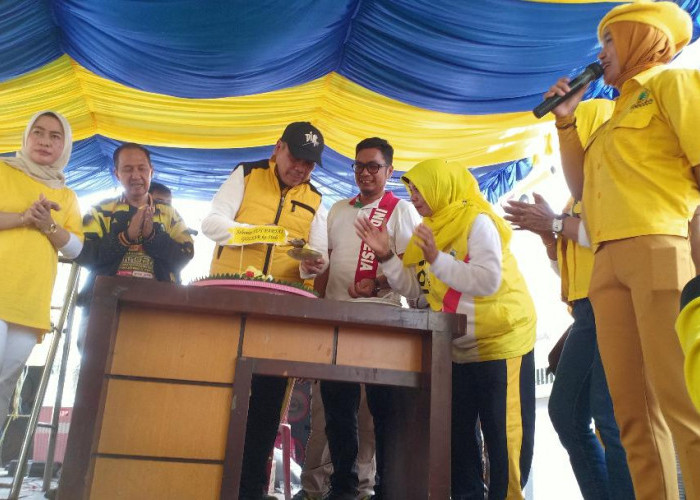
column 205, row 85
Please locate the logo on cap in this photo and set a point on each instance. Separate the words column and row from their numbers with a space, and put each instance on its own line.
column 311, row 138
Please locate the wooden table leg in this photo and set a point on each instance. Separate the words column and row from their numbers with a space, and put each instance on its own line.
column 438, row 460
column 233, row 460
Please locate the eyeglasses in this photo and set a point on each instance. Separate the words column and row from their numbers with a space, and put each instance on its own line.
column 371, row 167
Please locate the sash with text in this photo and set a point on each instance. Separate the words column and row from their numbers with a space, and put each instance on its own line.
column 367, row 262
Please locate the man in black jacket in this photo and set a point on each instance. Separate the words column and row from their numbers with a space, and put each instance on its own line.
column 133, row 234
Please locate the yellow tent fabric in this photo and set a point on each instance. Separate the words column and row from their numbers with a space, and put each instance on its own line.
column 345, row 111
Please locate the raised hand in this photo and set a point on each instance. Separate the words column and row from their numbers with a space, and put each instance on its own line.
column 135, row 228
column 147, row 228
column 29, row 217
column 39, row 214
column 426, row 242
column 49, row 204
column 375, row 237
column 536, row 217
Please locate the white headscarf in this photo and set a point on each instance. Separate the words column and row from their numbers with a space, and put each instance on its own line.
column 51, row 175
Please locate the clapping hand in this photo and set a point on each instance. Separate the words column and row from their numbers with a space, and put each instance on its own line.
column 147, row 228
column 536, row 217
column 426, row 242
column 141, row 224
column 39, row 213
column 375, row 237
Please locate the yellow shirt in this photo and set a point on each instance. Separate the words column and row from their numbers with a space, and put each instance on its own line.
column 637, row 169
column 576, row 262
column 28, row 259
column 575, row 265
column 590, row 115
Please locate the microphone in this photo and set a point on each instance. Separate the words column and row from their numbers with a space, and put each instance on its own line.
column 592, row 72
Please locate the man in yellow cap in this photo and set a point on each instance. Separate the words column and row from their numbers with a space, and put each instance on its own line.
column 638, row 178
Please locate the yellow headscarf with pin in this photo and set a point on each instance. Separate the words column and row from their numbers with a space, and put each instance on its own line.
column 453, row 195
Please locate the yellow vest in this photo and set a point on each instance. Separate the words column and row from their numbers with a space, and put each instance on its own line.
column 264, row 202
column 504, row 323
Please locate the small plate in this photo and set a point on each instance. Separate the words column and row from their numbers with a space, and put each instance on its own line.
column 376, row 300
column 303, row 253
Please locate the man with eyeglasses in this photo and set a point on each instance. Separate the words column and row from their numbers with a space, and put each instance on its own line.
column 352, row 274
column 270, row 192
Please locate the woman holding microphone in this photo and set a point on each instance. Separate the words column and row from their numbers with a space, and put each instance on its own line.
column 638, row 178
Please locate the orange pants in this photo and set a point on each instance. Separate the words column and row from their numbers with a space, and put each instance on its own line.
column 635, row 291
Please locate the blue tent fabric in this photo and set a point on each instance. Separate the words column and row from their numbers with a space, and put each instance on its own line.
column 205, row 50
column 486, row 57
column 496, row 180
column 28, row 37
column 693, row 8
column 491, row 56
column 198, row 173
column 459, row 57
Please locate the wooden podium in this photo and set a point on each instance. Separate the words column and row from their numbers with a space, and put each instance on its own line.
column 159, row 415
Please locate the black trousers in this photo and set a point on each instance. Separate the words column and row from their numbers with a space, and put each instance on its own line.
column 266, row 397
column 500, row 394
column 341, row 401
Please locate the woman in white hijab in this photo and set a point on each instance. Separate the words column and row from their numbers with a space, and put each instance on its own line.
column 39, row 216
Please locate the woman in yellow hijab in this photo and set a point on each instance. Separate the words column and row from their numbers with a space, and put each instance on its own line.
column 459, row 261
column 39, row 216
column 638, row 178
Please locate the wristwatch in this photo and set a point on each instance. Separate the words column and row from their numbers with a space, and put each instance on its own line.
column 557, row 225
column 51, row 229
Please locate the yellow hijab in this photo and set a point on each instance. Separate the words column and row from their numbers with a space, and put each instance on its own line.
column 639, row 47
column 646, row 34
column 674, row 22
column 50, row 175
column 453, row 195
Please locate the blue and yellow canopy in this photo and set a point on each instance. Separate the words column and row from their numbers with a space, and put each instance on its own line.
column 206, row 84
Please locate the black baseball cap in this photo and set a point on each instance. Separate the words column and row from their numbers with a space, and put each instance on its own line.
column 304, row 141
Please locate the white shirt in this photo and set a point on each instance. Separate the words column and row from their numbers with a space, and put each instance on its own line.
column 227, row 202
column 479, row 277
column 345, row 244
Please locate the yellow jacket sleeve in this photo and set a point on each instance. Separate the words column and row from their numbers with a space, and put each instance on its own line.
column 688, row 329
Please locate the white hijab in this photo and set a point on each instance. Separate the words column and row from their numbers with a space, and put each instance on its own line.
column 51, row 175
